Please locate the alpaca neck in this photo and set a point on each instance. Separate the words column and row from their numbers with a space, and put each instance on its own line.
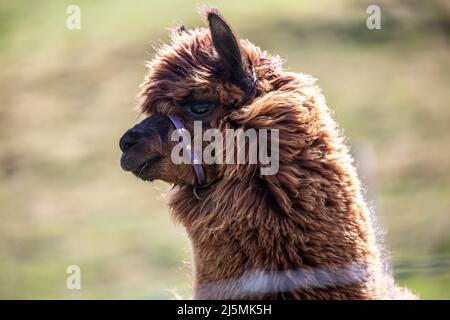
column 308, row 221
column 252, row 241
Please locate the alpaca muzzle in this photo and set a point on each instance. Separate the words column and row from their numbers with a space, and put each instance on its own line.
column 142, row 145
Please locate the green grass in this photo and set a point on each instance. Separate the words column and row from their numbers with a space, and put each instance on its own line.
column 67, row 96
column 428, row 286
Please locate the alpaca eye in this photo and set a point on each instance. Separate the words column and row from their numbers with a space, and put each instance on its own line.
column 201, row 108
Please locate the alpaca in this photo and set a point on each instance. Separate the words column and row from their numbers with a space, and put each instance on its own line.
column 302, row 233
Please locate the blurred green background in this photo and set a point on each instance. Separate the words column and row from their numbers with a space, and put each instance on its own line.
column 68, row 95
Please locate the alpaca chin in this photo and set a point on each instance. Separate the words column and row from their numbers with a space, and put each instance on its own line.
column 143, row 169
column 146, row 171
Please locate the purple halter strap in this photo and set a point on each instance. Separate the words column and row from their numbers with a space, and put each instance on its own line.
column 198, row 168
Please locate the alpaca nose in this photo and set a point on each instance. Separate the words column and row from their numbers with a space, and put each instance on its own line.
column 131, row 138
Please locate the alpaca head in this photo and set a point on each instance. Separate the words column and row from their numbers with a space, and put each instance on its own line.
column 204, row 75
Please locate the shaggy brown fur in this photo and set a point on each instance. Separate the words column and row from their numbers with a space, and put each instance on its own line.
column 303, row 233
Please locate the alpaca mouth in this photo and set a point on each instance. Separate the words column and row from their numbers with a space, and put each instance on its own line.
column 142, row 171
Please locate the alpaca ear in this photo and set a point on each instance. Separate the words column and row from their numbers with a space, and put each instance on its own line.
column 227, row 46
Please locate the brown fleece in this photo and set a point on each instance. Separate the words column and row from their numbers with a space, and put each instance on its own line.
column 304, row 233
